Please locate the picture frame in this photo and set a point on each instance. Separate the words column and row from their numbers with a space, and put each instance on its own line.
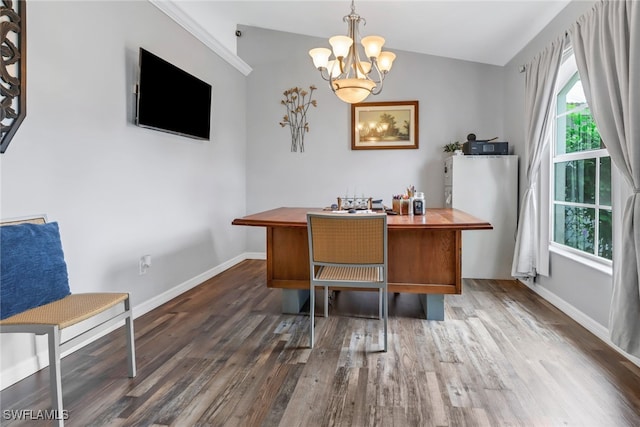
column 384, row 125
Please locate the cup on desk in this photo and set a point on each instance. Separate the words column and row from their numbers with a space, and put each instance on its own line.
column 400, row 206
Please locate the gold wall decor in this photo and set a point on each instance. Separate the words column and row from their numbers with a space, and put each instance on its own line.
column 13, row 68
column 296, row 102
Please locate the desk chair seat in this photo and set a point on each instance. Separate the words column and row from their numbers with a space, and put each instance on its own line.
column 68, row 311
column 353, row 274
column 347, row 251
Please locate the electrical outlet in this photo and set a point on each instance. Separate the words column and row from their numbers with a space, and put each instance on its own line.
column 145, row 264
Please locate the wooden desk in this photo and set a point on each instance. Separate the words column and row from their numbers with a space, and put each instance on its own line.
column 425, row 253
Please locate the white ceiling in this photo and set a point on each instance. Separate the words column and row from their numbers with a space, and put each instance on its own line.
column 490, row 32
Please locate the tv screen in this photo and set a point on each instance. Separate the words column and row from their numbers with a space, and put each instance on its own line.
column 172, row 100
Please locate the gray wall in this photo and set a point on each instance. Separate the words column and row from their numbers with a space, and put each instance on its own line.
column 119, row 191
column 456, row 97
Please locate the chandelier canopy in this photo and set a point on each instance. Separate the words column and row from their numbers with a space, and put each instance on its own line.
column 350, row 78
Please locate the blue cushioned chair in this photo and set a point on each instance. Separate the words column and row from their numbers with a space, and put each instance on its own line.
column 35, row 297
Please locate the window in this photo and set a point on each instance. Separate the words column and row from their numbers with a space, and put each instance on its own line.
column 581, row 174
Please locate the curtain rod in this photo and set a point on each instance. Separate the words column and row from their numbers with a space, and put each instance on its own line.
column 522, row 68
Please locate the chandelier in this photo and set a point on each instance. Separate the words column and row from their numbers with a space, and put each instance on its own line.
column 351, row 78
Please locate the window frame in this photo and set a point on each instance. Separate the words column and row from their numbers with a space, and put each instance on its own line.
column 568, row 72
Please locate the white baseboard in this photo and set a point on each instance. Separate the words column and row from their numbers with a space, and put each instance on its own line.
column 23, row 369
column 585, row 321
column 166, row 296
column 255, row 255
column 12, row 374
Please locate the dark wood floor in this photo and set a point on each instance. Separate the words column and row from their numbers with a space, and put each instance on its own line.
column 222, row 354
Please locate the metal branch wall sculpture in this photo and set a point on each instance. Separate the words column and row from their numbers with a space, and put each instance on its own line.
column 296, row 118
column 13, row 69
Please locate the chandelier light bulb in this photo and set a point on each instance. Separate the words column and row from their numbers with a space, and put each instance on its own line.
column 364, row 69
column 340, row 45
column 385, row 61
column 333, row 67
column 320, row 56
column 372, row 46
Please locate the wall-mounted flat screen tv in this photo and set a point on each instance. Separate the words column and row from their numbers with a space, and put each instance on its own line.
column 172, row 100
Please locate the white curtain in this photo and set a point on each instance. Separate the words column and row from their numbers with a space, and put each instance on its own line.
column 540, row 83
column 606, row 43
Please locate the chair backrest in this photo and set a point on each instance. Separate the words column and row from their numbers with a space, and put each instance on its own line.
column 41, row 219
column 347, row 238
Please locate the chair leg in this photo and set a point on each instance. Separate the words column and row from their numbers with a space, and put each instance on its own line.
column 326, row 301
column 385, row 309
column 55, row 377
column 312, row 309
column 131, row 347
column 380, row 304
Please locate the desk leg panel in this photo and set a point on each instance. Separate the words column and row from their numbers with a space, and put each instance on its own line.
column 425, row 257
column 287, row 257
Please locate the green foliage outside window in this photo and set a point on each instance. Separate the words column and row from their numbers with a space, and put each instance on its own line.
column 578, row 229
column 581, row 131
column 605, row 241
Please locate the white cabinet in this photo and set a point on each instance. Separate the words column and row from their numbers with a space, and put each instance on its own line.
column 485, row 187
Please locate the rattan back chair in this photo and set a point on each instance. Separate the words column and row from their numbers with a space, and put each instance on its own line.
column 109, row 310
column 347, row 251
